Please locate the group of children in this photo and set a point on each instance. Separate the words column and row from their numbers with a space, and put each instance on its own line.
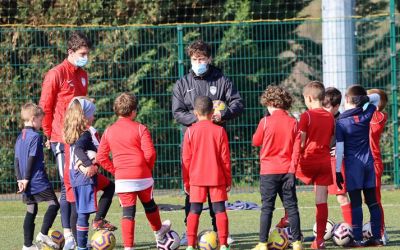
column 311, row 150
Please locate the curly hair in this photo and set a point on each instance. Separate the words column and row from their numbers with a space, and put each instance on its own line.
column 277, row 97
column 75, row 122
column 77, row 40
column 198, row 47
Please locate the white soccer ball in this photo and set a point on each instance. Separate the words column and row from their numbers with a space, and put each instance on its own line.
column 328, row 230
column 171, row 241
column 366, row 230
column 342, row 234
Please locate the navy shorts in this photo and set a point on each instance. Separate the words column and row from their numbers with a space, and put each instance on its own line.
column 85, row 199
column 359, row 175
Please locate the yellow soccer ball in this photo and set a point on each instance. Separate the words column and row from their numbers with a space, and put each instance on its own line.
column 207, row 240
column 103, row 240
column 277, row 240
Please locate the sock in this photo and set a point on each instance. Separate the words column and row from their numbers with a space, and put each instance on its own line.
column 376, row 218
column 154, row 220
column 128, row 231
column 65, row 210
column 321, row 218
column 357, row 219
column 382, row 219
column 223, row 227
column 192, row 226
column 82, row 228
column 73, row 219
column 105, row 202
column 49, row 218
column 29, row 228
column 346, row 213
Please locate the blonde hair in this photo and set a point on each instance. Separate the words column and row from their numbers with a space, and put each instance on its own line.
column 125, row 104
column 75, row 122
column 30, row 110
column 315, row 89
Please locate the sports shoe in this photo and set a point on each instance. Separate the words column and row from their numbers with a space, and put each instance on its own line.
column 33, row 247
column 165, row 227
column 189, row 248
column 103, row 224
column 260, row 246
column 284, row 222
column 318, row 244
column 355, row 244
column 69, row 242
column 223, row 247
column 372, row 242
column 297, row 245
column 45, row 239
column 184, row 240
column 230, row 240
column 385, row 237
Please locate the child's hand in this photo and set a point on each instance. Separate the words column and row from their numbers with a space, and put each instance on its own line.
column 22, row 185
column 91, row 171
column 228, row 188
column 187, row 190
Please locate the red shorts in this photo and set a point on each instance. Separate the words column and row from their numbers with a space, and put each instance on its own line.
column 320, row 175
column 333, row 189
column 129, row 199
column 199, row 193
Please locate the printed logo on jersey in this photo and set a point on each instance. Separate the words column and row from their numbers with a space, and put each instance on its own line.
column 83, row 81
column 213, row 90
column 70, row 83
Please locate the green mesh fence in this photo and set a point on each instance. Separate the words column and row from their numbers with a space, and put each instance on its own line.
column 147, row 60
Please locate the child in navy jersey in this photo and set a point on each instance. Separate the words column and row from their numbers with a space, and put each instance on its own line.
column 32, row 178
column 84, row 178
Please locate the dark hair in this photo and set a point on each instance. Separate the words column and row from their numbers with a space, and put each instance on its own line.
column 203, row 105
column 354, row 92
column 382, row 94
column 198, row 47
column 125, row 104
column 277, row 97
column 333, row 97
column 77, row 40
column 315, row 89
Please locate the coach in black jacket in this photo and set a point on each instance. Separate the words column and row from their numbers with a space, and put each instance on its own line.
column 204, row 79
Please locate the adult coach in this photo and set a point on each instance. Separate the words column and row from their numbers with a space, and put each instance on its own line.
column 204, row 79
column 62, row 83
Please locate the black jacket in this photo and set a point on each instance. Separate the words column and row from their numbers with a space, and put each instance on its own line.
column 214, row 85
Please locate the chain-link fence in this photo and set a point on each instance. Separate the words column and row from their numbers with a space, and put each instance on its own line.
column 148, row 59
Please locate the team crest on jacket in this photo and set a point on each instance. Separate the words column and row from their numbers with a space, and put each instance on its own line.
column 83, row 80
column 213, row 90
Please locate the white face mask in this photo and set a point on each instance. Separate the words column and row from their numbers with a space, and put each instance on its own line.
column 200, row 69
column 81, row 61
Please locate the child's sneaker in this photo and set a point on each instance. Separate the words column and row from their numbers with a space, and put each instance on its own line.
column 165, row 227
column 69, row 242
column 45, row 239
column 33, row 247
column 318, row 244
column 355, row 244
column 260, row 246
column 103, row 224
column 230, row 240
column 385, row 237
column 189, row 248
column 184, row 240
column 297, row 245
column 223, row 247
column 372, row 242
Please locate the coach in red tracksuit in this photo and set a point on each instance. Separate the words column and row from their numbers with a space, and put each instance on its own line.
column 206, row 169
column 60, row 85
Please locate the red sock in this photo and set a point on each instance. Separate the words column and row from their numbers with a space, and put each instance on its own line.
column 192, row 226
column 223, row 227
column 321, row 218
column 346, row 213
column 154, row 220
column 128, row 232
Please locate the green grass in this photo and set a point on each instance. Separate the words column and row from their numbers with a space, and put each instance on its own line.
column 243, row 224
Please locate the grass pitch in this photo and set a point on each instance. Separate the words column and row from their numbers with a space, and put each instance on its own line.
column 243, row 225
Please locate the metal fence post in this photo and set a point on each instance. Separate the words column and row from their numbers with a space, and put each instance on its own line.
column 394, row 91
column 181, row 68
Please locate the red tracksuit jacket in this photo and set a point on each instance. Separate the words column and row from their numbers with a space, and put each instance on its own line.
column 206, row 156
column 60, row 85
column 377, row 125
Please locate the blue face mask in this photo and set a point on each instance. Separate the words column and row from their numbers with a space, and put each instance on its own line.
column 200, row 69
column 81, row 61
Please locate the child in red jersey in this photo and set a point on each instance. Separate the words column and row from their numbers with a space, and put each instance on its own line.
column 279, row 137
column 206, row 169
column 133, row 158
column 333, row 98
column 317, row 129
column 377, row 126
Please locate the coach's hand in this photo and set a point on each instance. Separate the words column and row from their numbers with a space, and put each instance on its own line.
column 187, row 190
column 289, row 183
column 339, row 180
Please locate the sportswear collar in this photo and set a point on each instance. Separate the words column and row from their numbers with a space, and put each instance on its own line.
column 70, row 66
column 351, row 112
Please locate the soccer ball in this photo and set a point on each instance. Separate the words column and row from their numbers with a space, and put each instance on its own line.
column 366, row 230
column 207, row 240
column 328, row 231
column 170, row 241
column 342, row 234
column 57, row 237
column 103, row 240
column 277, row 239
column 289, row 234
